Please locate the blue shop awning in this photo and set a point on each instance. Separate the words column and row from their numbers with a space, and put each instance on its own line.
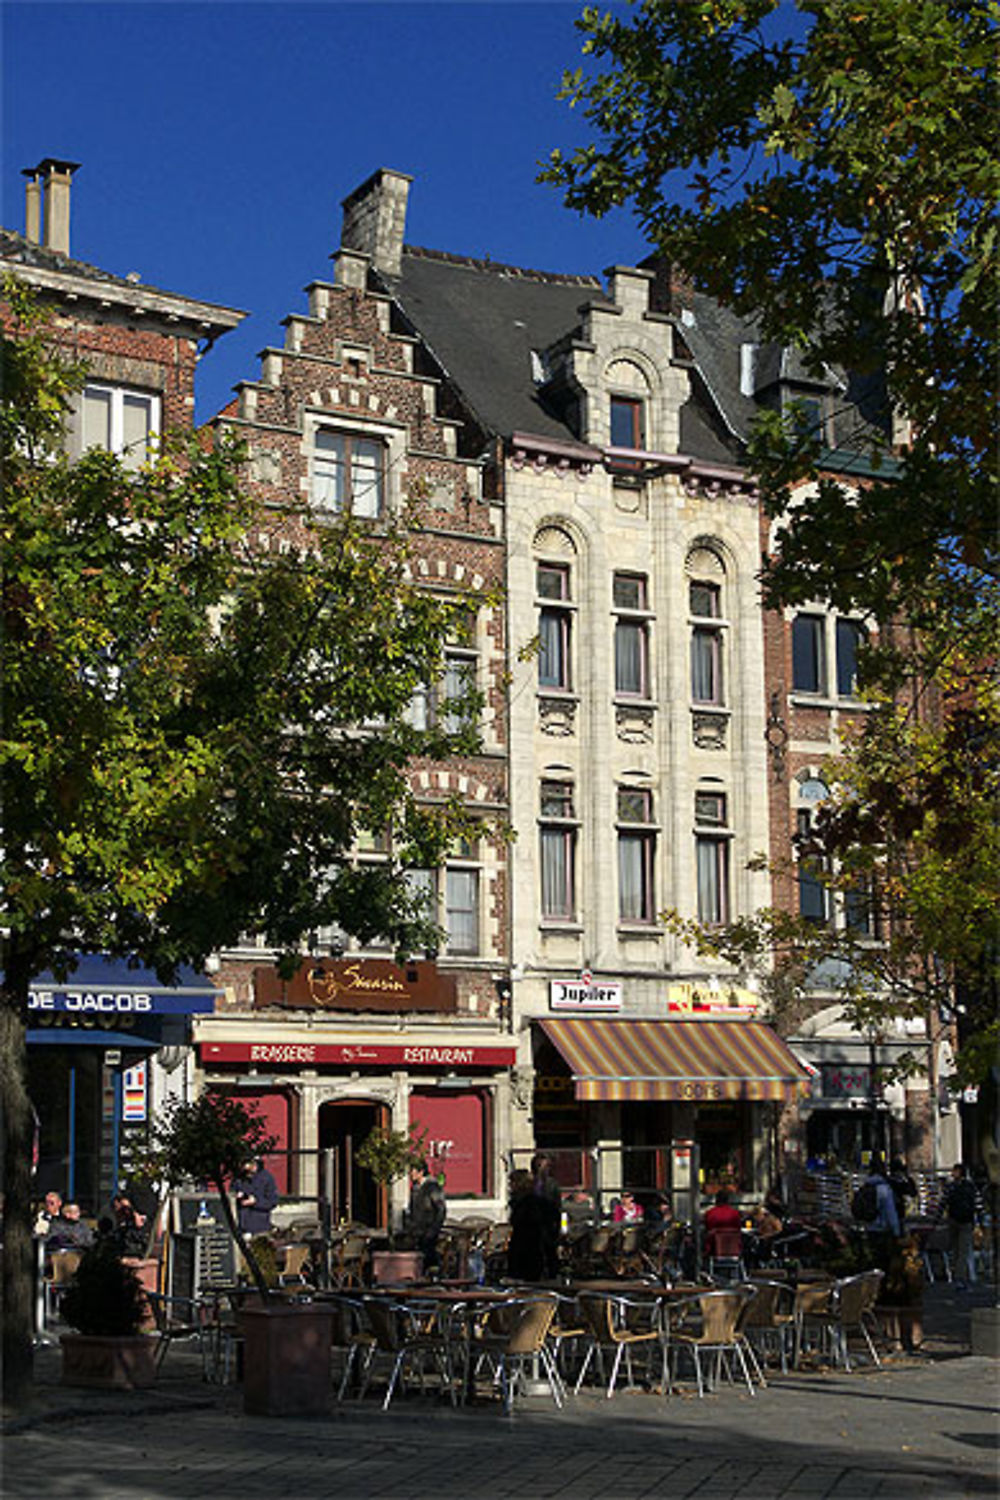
column 107, row 987
column 87, row 1036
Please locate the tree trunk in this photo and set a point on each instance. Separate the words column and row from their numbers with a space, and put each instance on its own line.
column 237, row 1234
column 17, row 1143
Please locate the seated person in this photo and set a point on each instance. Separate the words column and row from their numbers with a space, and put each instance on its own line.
column 127, row 1227
column 68, row 1231
column 722, row 1222
column 47, row 1215
column 657, row 1214
column 626, row 1210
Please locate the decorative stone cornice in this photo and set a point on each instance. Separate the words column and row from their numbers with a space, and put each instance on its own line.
column 545, row 454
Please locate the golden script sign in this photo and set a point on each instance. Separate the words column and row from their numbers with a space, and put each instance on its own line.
column 357, row 984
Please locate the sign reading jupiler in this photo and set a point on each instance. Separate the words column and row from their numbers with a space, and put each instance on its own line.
column 584, row 995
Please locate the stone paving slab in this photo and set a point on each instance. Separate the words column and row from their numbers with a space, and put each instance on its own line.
column 910, row 1430
column 917, row 1429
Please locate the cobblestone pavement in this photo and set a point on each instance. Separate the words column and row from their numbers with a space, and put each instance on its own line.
column 915, row 1428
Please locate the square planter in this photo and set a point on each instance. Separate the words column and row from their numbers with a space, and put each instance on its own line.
column 396, row 1267
column 109, row 1362
column 286, row 1359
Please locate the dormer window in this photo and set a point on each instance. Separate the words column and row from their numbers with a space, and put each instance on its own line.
column 627, row 424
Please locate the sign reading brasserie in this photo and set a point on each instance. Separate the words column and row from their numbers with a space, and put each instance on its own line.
column 354, row 984
column 360, row 1054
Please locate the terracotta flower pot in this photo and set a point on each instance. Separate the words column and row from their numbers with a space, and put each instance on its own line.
column 108, row 1361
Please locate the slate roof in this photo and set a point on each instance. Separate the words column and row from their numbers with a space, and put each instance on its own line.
column 481, row 320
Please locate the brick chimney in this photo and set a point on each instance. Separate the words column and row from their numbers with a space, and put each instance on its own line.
column 375, row 219
column 47, row 203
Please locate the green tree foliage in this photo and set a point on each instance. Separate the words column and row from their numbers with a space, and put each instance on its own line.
column 907, row 849
column 831, row 173
column 834, row 176
column 195, row 729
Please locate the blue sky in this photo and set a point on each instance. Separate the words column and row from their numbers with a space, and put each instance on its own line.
column 218, row 139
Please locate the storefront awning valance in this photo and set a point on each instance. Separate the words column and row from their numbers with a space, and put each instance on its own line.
column 107, row 987
column 690, row 1060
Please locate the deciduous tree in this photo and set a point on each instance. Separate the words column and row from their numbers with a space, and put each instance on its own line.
column 195, row 728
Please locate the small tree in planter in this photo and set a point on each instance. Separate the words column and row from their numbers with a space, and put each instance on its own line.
column 107, row 1307
column 287, row 1361
column 210, row 1140
column 389, row 1155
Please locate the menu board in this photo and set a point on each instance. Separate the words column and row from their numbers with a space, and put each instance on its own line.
column 202, row 1249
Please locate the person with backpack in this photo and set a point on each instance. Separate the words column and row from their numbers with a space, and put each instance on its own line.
column 958, row 1202
column 874, row 1203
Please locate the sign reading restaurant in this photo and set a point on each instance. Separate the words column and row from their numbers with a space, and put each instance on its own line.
column 359, row 1054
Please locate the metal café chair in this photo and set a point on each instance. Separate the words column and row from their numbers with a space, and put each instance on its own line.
column 850, row 1309
column 515, row 1339
column 619, row 1323
column 709, row 1324
column 408, row 1333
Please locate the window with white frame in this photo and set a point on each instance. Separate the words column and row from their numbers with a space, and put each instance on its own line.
column 712, row 839
column 557, row 831
column 450, row 897
column 631, row 603
column 819, row 639
column 118, row 419
column 347, row 473
column 447, row 703
column 636, row 855
column 552, row 587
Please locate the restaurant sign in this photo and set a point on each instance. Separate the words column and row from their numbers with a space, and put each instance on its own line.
column 357, row 984
column 358, row 1054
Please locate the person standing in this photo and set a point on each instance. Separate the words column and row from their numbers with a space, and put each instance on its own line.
column 256, row 1198
column 959, row 1204
column 549, row 1196
column 427, row 1215
column 903, row 1187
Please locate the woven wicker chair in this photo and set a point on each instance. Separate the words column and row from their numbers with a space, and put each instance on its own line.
column 616, row 1322
column 515, row 1338
column 710, row 1324
column 850, row 1309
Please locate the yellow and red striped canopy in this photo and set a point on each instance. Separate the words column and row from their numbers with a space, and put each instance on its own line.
column 694, row 1060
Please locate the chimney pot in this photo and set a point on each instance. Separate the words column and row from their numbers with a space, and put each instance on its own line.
column 375, row 219
column 49, row 182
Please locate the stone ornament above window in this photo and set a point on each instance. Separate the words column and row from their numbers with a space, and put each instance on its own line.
column 557, row 716
column 709, row 730
column 634, row 725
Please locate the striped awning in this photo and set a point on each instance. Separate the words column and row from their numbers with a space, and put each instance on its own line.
column 691, row 1059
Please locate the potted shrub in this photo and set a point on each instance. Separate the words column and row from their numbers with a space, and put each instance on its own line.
column 107, row 1307
column 286, row 1365
column 389, row 1155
